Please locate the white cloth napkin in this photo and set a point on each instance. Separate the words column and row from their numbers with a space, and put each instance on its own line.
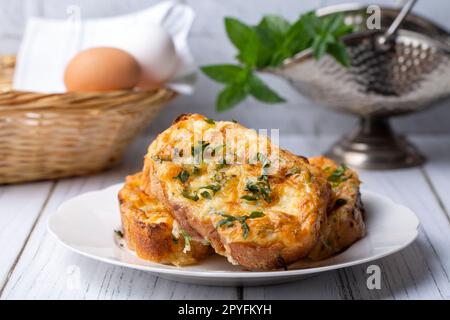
column 49, row 44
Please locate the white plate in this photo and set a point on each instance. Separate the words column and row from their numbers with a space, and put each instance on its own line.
column 86, row 225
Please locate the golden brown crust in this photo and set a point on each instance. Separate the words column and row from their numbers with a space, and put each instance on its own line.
column 345, row 221
column 154, row 187
column 181, row 117
column 290, row 226
column 148, row 229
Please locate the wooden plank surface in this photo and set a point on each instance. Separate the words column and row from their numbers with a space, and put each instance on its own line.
column 20, row 207
column 44, row 269
column 437, row 169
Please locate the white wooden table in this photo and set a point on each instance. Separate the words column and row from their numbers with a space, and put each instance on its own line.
column 34, row 266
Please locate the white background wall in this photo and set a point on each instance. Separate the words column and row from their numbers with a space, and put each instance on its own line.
column 209, row 45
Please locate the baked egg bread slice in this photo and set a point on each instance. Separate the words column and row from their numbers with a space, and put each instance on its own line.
column 151, row 231
column 345, row 221
column 262, row 210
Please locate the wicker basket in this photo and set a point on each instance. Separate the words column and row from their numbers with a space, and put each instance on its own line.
column 49, row 136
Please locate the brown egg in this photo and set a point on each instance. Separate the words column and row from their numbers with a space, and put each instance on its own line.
column 102, row 69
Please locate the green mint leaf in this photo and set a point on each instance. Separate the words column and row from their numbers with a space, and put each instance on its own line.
column 298, row 38
column 320, row 44
column 223, row 73
column 249, row 55
column 265, row 192
column 339, row 52
column 213, row 187
column 189, row 196
column 293, row 36
column 206, row 195
column 343, row 30
column 245, row 229
column 272, row 31
column 338, row 172
column 319, row 47
column 229, row 97
column 268, row 43
column 256, row 214
column 187, row 240
column 276, row 24
column 249, row 197
column 228, row 216
column 260, row 188
column 183, row 176
column 238, row 32
column 262, row 92
column 279, row 56
column 252, row 187
column 312, row 24
column 261, row 157
column 210, row 121
column 225, row 222
column 333, row 22
column 229, row 221
column 338, row 175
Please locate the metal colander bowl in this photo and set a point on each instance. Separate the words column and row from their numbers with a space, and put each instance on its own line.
column 409, row 76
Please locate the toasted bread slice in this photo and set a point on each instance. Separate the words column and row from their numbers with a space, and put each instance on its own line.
column 261, row 212
column 344, row 224
column 150, row 230
column 148, row 226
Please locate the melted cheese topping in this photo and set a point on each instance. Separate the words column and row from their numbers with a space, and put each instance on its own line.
column 175, row 245
column 151, row 210
column 344, row 225
column 288, row 217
